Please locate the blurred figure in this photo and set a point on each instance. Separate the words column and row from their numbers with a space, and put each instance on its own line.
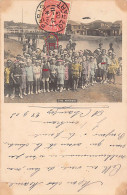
column 120, row 66
column 7, row 78
column 112, row 69
column 84, row 72
column 23, row 76
column 93, row 66
column 111, row 47
column 53, row 75
column 66, row 81
column 37, row 76
column 45, row 74
column 100, row 47
column 76, row 73
column 17, row 80
column 104, row 63
column 60, row 75
column 29, row 76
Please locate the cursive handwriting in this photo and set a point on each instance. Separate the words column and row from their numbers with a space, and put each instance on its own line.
column 66, row 147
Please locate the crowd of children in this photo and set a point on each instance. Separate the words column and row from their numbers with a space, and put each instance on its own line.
column 37, row 71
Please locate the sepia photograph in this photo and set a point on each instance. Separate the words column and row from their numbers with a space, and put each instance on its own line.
column 82, row 63
column 63, row 97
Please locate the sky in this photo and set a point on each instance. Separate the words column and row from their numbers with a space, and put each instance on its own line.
column 101, row 10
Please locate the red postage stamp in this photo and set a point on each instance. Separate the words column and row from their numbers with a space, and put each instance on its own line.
column 54, row 16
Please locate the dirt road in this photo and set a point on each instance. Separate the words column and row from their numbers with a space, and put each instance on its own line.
column 97, row 93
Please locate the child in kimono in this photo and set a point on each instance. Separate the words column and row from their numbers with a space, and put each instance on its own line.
column 113, row 67
column 17, row 79
column 84, row 72
column 53, row 75
column 7, row 73
column 76, row 73
column 96, row 67
column 60, row 75
column 120, row 66
column 92, row 70
column 33, row 61
column 29, row 76
column 37, row 76
column 66, row 81
column 23, row 85
column 105, row 61
column 45, row 74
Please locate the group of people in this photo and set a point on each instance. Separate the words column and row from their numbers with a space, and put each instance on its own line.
column 60, row 69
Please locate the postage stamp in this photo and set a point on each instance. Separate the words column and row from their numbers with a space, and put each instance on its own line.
column 51, row 16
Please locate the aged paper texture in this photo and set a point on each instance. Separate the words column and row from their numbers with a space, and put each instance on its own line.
column 63, row 97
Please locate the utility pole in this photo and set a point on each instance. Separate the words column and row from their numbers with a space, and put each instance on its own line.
column 22, row 37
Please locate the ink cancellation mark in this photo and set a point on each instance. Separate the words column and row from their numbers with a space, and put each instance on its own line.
column 51, row 16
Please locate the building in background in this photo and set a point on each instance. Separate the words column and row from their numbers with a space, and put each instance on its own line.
column 96, row 28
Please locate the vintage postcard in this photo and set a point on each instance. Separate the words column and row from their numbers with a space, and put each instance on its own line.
column 63, row 97
column 60, row 55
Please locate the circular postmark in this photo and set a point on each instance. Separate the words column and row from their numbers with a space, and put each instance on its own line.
column 51, row 16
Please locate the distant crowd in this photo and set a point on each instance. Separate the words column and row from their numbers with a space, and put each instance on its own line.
column 39, row 71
